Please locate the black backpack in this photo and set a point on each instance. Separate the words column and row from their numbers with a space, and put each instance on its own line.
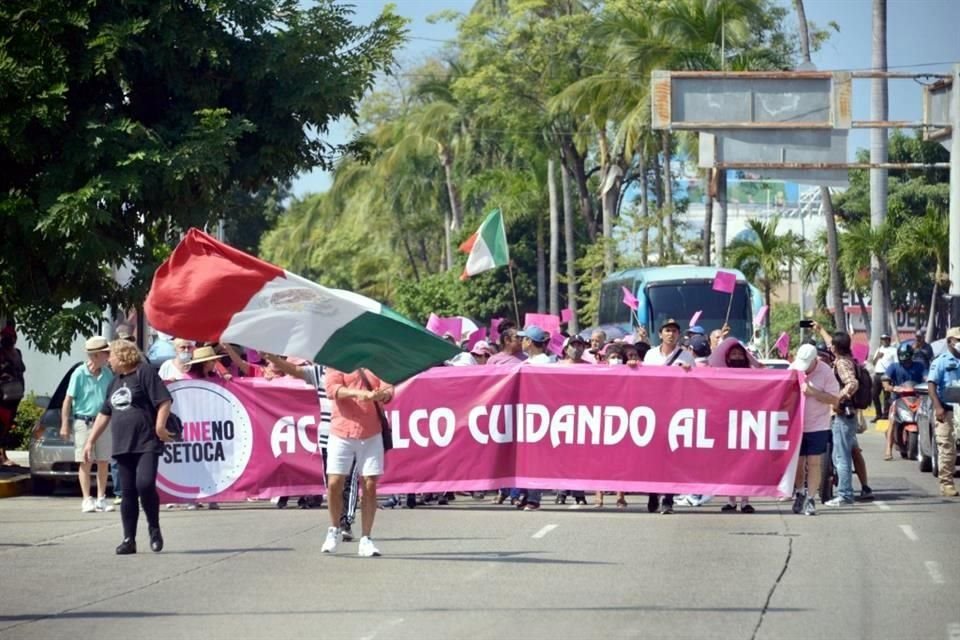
column 863, row 396
column 175, row 426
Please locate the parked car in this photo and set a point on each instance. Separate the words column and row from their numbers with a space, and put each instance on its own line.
column 51, row 458
column 927, row 457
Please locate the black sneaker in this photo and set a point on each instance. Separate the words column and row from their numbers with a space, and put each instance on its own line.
column 866, row 494
column 282, row 502
column 653, row 503
column 127, row 547
column 346, row 533
column 666, row 508
column 798, row 502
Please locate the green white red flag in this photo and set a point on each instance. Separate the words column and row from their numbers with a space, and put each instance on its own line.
column 487, row 248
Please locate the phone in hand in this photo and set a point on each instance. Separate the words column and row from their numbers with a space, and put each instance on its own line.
column 806, row 324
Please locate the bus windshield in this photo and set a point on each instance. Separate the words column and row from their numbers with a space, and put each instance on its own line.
column 680, row 300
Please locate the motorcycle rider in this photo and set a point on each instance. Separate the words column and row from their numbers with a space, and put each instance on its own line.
column 904, row 370
column 944, row 374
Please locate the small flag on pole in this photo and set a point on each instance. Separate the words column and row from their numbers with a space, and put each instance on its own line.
column 761, row 316
column 725, row 282
column 487, row 248
column 566, row 315
column 630, row 300
column 783, row 344
column 695, row 317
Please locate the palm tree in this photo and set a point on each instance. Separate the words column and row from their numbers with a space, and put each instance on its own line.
column 859, row 243
column 925, row 236
column 762, row 255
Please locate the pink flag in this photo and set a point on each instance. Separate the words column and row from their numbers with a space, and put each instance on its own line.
column 476, row 337
column 629, row 299
column 566, row 315
column 761, row 316
column 695, row 317
column 495, row 330
column 783, row 344
column 547, row 322
column 556, row 343
column 443, row 326
column 725, row 282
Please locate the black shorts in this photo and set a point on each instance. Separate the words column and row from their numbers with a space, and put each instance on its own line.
column 814, row 443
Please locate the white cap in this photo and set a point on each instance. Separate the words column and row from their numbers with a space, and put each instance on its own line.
column 806, row 354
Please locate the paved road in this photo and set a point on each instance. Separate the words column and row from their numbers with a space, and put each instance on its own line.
column 890, row 569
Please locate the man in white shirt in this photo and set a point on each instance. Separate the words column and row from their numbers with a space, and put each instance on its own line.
column 176, row 368
column 885, row 356
column 669, row 352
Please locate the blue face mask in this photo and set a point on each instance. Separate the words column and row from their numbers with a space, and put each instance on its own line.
column 184, row 356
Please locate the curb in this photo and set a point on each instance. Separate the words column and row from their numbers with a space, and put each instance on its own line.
column 15, row 486
column 881, row 425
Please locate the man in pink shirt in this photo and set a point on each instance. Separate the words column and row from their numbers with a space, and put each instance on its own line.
column 822, row 393
column 355, row 435
column 511, row 350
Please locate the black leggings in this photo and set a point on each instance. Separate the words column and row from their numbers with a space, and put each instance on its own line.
column 138, row 479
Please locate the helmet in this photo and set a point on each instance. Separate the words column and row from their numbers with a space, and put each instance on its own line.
column 905, row 352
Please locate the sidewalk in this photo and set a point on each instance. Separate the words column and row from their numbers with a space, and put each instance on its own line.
column 15, row 481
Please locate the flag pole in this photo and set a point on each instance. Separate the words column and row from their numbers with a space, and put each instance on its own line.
column 513, row 288
column 726, row 320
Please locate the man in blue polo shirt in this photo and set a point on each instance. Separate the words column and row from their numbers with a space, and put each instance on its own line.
column 86, row 393
column 943, row 382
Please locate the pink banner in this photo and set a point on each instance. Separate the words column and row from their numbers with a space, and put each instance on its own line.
column 566, row 315
column 656, row 430
column 442, row 326
column 246, row 438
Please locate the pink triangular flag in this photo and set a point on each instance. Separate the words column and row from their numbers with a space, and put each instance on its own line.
column 695, row 317
column 783, row 344
column 566, row 315
column 761, row 316
column 630, row 300
column 725, row 282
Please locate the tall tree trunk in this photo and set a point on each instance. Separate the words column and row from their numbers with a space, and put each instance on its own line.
column 574, row 162
column 554, row 300
column 425, row 255
column 446, row 158
column 570, row 252
column 658, row 185
column 932, row 315
column 879, row 110
column 609, row 196
column 541, row 266
column 721, row 234
column 833, row 259
column 804, row 30
column 863, row 314
column 644, row 206
column 446, row 261
column 708, row 216
column 667, row 195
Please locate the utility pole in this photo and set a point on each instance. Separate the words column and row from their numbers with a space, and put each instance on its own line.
column 954, row 228
column 879, row 111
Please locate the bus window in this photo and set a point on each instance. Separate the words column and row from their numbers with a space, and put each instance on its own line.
column 612, row 309
column 681, row 300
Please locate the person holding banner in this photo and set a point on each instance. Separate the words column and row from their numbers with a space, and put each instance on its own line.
column 511, row 346
column 356, row 434
column 535, row 341
column 136, row 410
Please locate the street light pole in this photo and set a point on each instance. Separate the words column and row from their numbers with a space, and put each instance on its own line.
column 954, row 228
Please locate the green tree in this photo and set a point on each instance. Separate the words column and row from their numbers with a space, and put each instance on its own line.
column 763, row 255
column 123, row 123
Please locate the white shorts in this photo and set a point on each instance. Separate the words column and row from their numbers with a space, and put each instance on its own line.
column 368, row 453
column 102, row 450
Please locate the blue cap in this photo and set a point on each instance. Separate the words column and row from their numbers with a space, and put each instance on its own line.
column 535, row 333
column 697, row 329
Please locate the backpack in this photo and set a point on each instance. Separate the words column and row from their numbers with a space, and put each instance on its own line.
column 175, row 427
column 863, row 396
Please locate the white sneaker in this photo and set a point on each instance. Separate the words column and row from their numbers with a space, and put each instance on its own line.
column 367, row 548
column 103, row 506
column 88, row 505
column 330, row 544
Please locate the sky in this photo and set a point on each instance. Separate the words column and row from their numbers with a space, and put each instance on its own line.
column 921, row 37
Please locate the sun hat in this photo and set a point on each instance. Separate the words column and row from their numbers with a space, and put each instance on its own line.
column 535, row 333
column 482, row 347
column 204, row 354
column 96, row 344
column 806, row 354
column 954, row 332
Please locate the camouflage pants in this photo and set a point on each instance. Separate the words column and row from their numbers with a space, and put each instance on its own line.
column 946, row 448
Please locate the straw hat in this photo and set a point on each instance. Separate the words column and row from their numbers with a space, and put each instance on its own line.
column 204, row 354
column 96, row 344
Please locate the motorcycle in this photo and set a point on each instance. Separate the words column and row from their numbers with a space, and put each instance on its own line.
column 911, row 406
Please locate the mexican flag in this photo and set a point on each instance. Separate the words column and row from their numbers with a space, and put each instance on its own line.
column 487, row 247
column 208, row 291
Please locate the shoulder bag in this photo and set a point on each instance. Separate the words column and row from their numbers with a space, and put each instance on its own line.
column 385, row 431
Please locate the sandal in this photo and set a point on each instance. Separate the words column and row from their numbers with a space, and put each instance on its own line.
column 888, row 456
column 747, row 508
column 728, row 507
column 621, row 503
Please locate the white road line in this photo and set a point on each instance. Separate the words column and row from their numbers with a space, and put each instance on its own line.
column 933, row 568
column 547, row 529
column 909, row 532
column 382, row 627
column 953, row 631
column 883, row 506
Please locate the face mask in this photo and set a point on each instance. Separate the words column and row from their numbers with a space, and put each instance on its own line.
column 737, row 364
column 614, row 362
column 183, row 356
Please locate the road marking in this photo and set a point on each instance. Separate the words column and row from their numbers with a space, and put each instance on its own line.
column 933, row 568
column 547, row 529
column 382, row 627
column 909, row 532
column 883, row 506
column 953, row 631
